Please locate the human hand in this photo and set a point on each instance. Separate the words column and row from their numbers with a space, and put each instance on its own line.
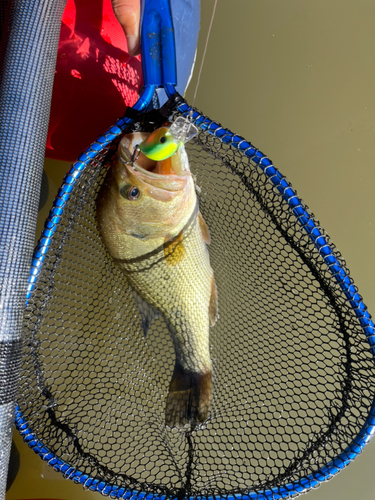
column 127, row 13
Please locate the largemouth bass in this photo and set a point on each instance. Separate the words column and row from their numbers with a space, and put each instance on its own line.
column 149, row 220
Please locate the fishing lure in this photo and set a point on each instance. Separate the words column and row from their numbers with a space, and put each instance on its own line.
column 164, row 142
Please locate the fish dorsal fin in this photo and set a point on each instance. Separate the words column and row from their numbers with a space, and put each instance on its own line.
column 204, row 229
column 148, row 313
column 213, row 307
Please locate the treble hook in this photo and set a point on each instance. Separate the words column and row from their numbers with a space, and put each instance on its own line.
column 135, row 154
column 133, row 158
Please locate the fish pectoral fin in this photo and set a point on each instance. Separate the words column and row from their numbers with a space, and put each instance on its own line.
column 204, row 229
column 148, row 312
column 213, row 308
column 174, row 250
column 189, row 398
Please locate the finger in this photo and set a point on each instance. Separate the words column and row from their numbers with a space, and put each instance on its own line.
column 127, row 13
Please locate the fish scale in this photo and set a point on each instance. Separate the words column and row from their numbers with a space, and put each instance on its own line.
column 181, row 293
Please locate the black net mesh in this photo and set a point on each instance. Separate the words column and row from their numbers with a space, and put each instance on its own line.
column 294, row 376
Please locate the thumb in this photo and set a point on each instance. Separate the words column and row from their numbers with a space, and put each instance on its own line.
column 127, row 13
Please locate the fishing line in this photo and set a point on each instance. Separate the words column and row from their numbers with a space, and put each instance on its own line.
column 203, row 58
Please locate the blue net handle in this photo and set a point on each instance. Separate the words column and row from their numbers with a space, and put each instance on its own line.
column 158, row 43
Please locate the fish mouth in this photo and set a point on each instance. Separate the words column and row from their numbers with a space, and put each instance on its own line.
column 173, row 166
column 155, row 169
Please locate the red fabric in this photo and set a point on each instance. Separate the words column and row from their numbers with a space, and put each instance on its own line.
column 95, row 78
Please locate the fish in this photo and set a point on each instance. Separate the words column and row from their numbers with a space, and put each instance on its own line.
column 149, row 220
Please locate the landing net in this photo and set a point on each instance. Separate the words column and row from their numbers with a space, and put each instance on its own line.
column 294, row 374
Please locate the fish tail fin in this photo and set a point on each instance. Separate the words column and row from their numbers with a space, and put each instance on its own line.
column 189, row 398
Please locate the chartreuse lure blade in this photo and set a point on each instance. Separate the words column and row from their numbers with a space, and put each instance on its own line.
column 159, row 145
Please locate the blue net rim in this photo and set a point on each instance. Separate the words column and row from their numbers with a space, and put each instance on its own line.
column 320, row 242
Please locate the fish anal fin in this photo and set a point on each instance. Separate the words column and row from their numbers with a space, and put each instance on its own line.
column 174, row 250
column 204, row 229
column 189, row 399
column 148, row 312
column 213, row 308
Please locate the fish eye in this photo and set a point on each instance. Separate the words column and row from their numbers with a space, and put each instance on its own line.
column 133, row 193
column 130, row 193
column 163, row 139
